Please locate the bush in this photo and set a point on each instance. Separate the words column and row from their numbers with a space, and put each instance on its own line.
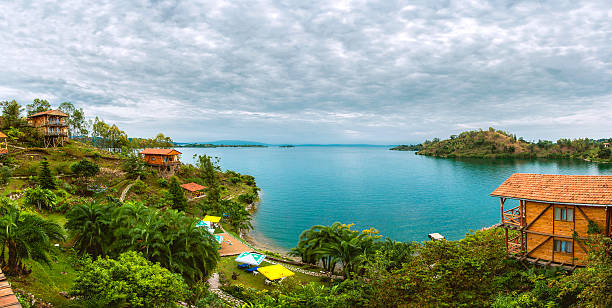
column 139, row 187
column 5, row 175
column 130, row 280
column 248, row 198
column 162, row 182
column 234, row 180
column 85, row 168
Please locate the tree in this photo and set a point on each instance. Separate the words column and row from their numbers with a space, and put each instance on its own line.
column 45, row 179
column 131, row 280
column 134, row 166
column 179, row 202
column 85, row 168
column 208, row 172
column 239, row 218
column 76, row 121
column 11, row 114
column 40, row 197
column 26, row 236
column 89, row 225
column 39, row 105
column 592, row 285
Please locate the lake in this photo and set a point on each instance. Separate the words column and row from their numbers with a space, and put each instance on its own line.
column 403, row 195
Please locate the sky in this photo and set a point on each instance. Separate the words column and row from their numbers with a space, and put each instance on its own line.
column 380, row 72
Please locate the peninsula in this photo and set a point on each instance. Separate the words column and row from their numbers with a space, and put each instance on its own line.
column 493, row 143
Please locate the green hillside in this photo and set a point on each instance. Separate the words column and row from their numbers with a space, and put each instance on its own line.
column 493, row 143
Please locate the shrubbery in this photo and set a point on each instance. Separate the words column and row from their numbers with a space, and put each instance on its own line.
column 130, row 280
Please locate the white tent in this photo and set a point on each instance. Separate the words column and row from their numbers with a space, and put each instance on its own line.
column 250, row 258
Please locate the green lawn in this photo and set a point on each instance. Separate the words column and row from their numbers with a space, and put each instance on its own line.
column 46, row 281
column 227, row 265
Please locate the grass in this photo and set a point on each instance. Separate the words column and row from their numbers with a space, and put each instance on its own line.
column 227, row 266
column 46, row 281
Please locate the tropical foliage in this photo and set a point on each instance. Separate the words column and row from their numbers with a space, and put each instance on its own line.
column 168, row 237
column 40, row 197
column 26, row 236
column 338, row 244
column 131, row 280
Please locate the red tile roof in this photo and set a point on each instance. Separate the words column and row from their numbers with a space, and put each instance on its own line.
column 49, row 112
column 160, row 152
column 193, row 186
column 3, row 135
column 3, row 151
column 569, row 189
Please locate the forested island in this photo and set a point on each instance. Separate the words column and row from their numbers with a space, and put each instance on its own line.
column 89, row 224
column 493, row 143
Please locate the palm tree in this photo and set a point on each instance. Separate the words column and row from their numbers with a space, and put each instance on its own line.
column 27, row 236
column 89, row 226
column 194, row 253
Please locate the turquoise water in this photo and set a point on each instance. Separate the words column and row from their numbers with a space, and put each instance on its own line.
column 404, row 196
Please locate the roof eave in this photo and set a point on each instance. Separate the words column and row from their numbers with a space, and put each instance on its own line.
column 548, row 201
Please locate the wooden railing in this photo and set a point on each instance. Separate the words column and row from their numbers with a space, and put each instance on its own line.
column 516, row 245
column 513, row 216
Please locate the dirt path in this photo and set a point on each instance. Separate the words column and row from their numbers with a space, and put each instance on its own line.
column 127, row 188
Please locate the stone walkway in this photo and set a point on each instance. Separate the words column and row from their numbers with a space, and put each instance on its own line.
column 213, row 281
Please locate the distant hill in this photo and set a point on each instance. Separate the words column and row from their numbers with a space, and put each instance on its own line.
column 493, row 143
column 233, row 142
column 412, row 147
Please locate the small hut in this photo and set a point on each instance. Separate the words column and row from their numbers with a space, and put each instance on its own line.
column 193, row 190
column 3, row 143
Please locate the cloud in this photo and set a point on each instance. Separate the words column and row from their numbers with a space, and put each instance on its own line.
column 350, row 71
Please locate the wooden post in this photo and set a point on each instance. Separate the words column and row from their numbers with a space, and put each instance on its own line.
column 506, row 231
column 501, row 217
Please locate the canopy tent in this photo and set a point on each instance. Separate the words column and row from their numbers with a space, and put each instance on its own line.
column 219, row 238
column 274, row 272
column 212, row 218
column 250, row 258
column 203, row 223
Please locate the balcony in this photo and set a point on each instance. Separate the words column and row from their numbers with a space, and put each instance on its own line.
column 513, row 217
column 55, row 134
column 56, row 123
column 164, row 163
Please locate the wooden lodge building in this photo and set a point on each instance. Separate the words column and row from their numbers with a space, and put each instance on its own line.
column 193, row 190
column 165, row 160
column 53, row 125
column 551, row 208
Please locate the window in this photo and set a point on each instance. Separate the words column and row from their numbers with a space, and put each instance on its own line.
column 563, row 213
column 564, row 246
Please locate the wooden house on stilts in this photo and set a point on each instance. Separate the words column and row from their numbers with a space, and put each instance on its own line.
column 52, row 125
column 165, row 160
column 554, row 215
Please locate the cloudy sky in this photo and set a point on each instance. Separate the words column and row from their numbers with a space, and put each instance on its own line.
column 340, row 71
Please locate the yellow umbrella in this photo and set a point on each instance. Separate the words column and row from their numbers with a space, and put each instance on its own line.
column 212, row 218
column 274, row 272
